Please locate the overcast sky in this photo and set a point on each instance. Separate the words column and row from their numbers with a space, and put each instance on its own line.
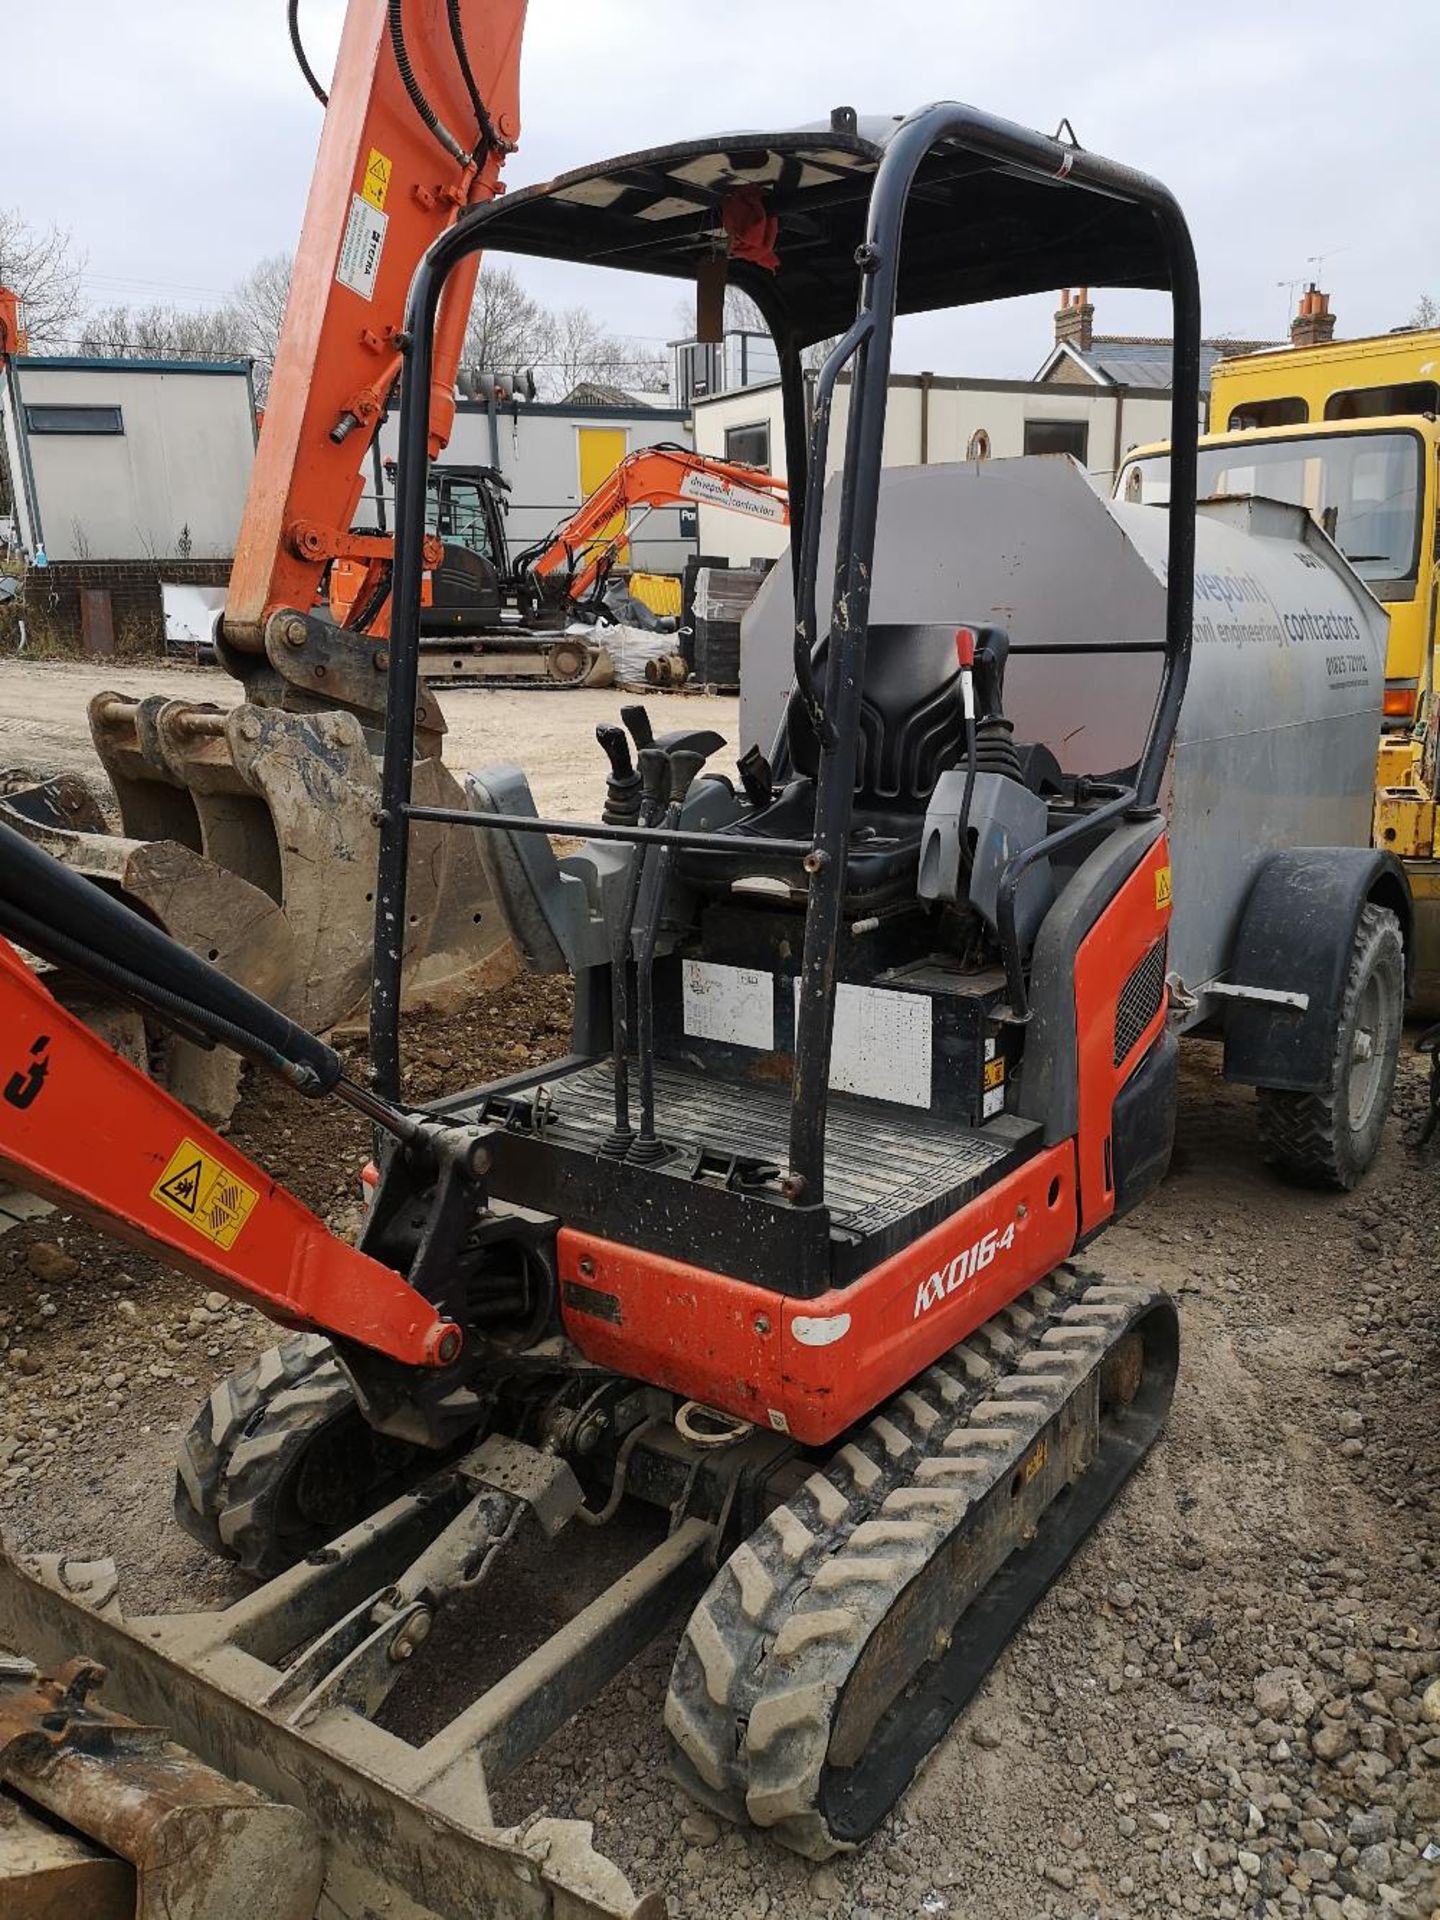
column 175, row 137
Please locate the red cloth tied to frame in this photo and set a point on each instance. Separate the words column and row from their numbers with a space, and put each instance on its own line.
column 751, row 231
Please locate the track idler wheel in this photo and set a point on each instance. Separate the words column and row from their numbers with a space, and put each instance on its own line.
column 568, row 661
column 280, row 1460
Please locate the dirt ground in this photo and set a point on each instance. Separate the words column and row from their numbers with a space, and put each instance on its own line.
column 551, row 733
column 1228, row 1705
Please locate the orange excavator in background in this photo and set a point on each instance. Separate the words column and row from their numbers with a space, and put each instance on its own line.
column 249, row 833
column 483, row 609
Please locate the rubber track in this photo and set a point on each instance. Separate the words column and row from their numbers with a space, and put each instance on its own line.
column 204, row 1497
column 795, row 1584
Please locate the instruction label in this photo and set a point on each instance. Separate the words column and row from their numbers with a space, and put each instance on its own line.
column 733, row 1004
column 376, row 183
column 204, row 1194
column 362, row 246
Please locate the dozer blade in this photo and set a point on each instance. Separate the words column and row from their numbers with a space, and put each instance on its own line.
column 404, row 1830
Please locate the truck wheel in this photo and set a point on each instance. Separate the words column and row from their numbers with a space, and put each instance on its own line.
column 280, row 1460
column 1330, row 1138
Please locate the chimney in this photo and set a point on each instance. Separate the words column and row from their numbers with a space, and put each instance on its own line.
column 1075, row 320
column 1314, row 324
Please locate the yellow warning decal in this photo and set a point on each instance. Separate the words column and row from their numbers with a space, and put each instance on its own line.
column 1162, row 887
column 376, row 183
column 994, row 1074
column 209, row 1197
column 1033, row 1465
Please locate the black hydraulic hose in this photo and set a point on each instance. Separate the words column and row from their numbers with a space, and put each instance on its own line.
column 293, row 15
column 412, row 86
column 194, row 1023
column 63, row 917
column 489, row 141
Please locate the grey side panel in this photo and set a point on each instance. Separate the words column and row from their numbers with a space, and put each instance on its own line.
column 1050, row 1075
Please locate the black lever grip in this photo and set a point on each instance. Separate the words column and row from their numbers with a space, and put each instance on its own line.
column 757, row 777
column 638, row 721
column 617, row 750
column 684, row 765
column 655, row 778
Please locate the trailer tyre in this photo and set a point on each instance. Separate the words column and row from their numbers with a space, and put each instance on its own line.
column 280, row 1460
column 1329, row 1138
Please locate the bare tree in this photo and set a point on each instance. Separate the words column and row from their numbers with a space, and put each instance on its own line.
column 1426, row 312
column 258, row 302
column 581, row 348
column 44, row 269
column 509, row 329
column 164, row 332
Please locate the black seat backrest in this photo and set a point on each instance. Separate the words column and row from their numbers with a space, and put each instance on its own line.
column 910, row 721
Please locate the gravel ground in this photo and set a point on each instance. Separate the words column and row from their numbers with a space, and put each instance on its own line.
column 550, row 733
column 1228, row 1706
column 1221, row 1710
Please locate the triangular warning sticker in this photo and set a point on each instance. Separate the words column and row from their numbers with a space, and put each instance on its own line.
column 183, row 1188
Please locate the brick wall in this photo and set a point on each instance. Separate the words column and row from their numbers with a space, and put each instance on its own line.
column 52, row 599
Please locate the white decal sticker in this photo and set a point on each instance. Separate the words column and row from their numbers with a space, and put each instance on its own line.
column 820, row 1330
column 716, row 492
column 734, row 1004
column 881, row 1047
column 362, row 246
column 949, row 1279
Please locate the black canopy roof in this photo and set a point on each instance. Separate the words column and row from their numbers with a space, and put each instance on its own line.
column 978, row 226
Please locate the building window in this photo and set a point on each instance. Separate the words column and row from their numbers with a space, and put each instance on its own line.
column 1059, row 436
column 1366, row 403
column 1289, row 412
column 748, row 446
column 55, row 419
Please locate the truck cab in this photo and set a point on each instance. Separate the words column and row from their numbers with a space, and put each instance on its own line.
column 1349, row 431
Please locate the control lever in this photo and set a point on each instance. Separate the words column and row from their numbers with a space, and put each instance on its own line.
column 637, row 721
column 623, row 785
column 757, row 777
column 654, row 779
column 682, row 766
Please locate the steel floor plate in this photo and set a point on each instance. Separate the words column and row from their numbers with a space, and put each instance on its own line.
column 881, row 1163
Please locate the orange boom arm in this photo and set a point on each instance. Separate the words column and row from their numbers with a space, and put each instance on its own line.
column 82, row 1127
column 653, row 477
column 385, row 187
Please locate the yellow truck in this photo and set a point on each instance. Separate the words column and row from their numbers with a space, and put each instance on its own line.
column 1349, row 430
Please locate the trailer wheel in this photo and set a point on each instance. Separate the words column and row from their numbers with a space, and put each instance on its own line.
column 280, row 1460
column 1329, row 1138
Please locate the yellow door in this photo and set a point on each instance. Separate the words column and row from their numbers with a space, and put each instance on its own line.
column 601, row 451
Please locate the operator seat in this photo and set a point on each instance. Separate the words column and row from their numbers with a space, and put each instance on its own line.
column 911, row 731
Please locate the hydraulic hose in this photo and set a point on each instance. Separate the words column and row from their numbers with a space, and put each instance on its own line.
column 412, row 86
column 293, row 16
column 489, row 141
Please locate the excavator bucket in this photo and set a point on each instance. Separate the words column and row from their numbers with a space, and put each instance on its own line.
column 251, row 837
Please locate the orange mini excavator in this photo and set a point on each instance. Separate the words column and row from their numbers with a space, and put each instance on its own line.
column 478, row 588
column 870, row 1038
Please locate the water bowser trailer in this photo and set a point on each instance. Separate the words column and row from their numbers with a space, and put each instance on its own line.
column 1268, row 783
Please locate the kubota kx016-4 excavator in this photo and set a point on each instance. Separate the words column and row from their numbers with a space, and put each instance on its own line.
column 230, row 818
column 478, row 587
column 781, row 1246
